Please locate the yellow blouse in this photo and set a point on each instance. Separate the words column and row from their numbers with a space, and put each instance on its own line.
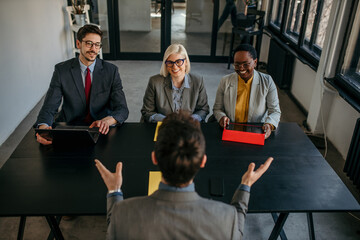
column 242, row 100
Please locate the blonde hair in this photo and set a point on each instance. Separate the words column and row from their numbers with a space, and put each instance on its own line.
column 172, row 49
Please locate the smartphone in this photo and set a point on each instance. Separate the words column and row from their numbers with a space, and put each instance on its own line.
column 217, row 186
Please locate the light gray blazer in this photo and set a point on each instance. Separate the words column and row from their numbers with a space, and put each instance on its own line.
column 263, row 105
column 158, row 97
column 176, row 215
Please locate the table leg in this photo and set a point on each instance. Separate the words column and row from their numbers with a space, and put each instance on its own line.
column 280, row 221
column 51, row 235
column 54, row 227
column 310, row 226
column 282, row 232
column 21, row 227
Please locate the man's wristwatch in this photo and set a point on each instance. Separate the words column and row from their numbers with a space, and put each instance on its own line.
column 113, row 191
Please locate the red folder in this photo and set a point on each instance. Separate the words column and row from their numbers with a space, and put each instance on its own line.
column 244, row 133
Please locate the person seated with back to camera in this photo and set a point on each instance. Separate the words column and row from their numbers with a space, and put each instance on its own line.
column 247, row 95
column 175, row 210
column 175, row 88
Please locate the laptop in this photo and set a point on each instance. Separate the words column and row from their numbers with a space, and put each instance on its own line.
column 73, row 134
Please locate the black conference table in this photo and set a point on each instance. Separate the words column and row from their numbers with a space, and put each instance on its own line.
column 61, row 180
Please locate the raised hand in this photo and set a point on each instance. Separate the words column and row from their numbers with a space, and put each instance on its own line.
column 251, row 176
column 113, row 181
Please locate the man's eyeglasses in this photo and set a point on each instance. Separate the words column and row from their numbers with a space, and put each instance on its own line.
column 178, row 62
column 89, row 44
column 244, row 65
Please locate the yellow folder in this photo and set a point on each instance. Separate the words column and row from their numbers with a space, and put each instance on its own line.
column 157, row 130
column 154, row 180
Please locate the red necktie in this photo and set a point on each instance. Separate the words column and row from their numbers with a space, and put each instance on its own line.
column 87, row 95
column 87, row 86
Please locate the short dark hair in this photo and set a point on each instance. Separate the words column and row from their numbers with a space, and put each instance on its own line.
column 247, row 48
column 88, row 28
column 180, row 148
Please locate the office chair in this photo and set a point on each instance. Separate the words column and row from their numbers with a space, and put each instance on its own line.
column 248, row 26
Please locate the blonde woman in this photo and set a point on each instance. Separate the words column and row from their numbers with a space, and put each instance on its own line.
column 175, row 88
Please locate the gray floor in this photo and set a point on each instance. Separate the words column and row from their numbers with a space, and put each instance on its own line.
column 135, row 76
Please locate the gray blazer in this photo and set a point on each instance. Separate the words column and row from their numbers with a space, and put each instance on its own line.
column 106, row 98
column 176, row 215
column 263, row 105
column 158, row 97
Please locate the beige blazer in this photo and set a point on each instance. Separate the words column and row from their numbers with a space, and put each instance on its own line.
column 263, row 104
column 176, row 215
column 158, row 97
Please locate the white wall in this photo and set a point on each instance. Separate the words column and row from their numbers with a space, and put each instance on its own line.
column 338, row 116
column 303, row 83
column 340, row 124
column 326, row 105
column 33, row 40
column 265, row 46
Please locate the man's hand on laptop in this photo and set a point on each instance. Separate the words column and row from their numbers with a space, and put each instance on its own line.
column 41, row 139
column 103, row 124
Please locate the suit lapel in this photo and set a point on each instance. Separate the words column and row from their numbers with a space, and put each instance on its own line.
column 77, row 78
column 186, row 95
column 168, row 92
column 96, row 79
column 233, row 94
column 253, row 93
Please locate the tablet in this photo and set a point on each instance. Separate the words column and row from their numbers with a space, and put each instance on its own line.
column 252, row 127
column 66, row 134
column 244, row 133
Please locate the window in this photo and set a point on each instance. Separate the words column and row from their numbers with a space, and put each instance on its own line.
column 304, row 26
column 351, row 65
column 316, row 26
column 347, row 79
column 276, row 16
column 293, row 22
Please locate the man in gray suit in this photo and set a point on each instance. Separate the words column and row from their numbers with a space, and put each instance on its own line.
column 176, row 211
column 90, row 89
